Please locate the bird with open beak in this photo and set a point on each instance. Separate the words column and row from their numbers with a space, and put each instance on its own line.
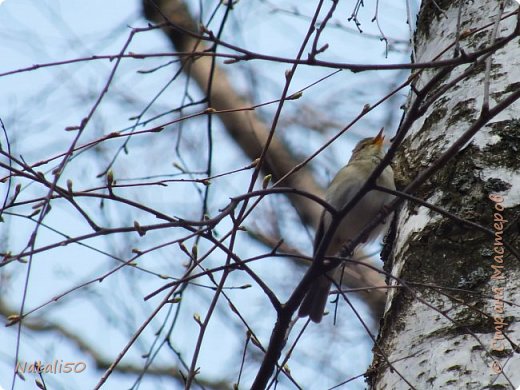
column 366, row 156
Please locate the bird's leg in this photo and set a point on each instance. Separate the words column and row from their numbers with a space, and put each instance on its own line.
column 346, row 251
column 385, row 210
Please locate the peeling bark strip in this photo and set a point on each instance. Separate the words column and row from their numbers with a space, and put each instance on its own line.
column 499, row 323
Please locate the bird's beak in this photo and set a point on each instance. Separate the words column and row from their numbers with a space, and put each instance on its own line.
column 378, row 140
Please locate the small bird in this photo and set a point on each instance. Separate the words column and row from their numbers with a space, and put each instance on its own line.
column 366, row 156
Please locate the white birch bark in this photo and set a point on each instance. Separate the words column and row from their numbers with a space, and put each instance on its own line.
column 428, row 349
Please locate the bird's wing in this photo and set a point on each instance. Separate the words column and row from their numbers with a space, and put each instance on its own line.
column 339, row 192
column 338, row 195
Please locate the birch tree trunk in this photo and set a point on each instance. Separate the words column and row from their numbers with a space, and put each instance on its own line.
column 452, row 322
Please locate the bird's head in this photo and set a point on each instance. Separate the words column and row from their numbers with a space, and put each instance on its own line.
column 369, row 148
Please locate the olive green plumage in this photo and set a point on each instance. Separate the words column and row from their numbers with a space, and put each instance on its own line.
column 366, row 156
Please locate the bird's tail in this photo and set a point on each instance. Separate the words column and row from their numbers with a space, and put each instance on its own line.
column 315, row 300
